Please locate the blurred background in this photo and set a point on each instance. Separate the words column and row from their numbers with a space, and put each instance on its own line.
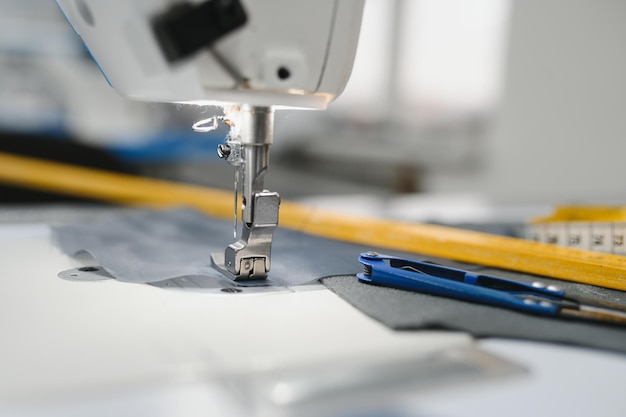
column 452, row 105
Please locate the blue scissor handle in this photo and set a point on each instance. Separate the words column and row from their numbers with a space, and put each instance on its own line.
column 487, row 281
column 447, row 282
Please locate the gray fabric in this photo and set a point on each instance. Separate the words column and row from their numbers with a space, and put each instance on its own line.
column 152, row 246
column 404, row 310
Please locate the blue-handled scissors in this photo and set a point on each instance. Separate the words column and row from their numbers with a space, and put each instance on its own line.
column 435, row 279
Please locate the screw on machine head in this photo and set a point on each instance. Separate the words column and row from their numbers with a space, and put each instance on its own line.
column 223, row 150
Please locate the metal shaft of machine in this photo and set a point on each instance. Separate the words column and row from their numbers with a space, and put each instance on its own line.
column 256, row 135
column 249, row 257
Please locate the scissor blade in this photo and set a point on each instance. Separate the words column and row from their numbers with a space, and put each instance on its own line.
column 595, row 313
column 596, row 302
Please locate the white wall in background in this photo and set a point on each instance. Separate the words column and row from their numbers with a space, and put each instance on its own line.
column 560, row 135
column 449, row 57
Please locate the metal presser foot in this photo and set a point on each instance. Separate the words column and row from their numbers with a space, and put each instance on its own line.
column 247, row 149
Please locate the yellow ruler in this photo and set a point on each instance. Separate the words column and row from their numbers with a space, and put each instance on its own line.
column 587, row 267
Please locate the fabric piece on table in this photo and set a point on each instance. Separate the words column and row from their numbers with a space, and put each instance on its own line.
column 152, row 246
column 146, row 246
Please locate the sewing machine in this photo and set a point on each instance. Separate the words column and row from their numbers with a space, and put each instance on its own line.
column 69, row 346
column 252, row 57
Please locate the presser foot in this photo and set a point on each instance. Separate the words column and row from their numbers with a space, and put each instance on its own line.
column 249, row 258
column 256, row 268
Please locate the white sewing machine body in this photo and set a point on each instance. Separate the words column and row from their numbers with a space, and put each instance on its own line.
column 286, row 53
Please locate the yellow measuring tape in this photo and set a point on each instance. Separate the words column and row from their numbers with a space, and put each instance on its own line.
column 595, row 228
column 587, row 267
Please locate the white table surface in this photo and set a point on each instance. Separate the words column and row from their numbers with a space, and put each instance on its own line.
column 111, row 348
